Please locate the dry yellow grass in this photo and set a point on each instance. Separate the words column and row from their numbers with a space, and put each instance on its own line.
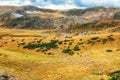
column 52, row 15
column 91, row 63
column 49, row 15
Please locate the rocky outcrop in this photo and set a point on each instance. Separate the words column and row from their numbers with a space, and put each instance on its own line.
column 67, row 22
column 117, row 15
column 27, row 22
column 5, row 76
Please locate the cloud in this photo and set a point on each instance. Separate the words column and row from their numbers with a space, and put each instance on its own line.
column 62, row 4
column 60, row 7
column 59, row 4
column 112, row 3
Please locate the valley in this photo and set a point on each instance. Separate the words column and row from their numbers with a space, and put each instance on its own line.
column 44, row 44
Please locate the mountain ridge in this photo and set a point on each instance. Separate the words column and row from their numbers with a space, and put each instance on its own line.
column 55, row 19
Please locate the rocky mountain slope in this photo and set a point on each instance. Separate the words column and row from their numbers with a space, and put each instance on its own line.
column 30, row 17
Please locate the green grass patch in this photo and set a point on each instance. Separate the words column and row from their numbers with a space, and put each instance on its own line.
column 115, row 75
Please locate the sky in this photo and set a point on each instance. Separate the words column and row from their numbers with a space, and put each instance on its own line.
column 62, row 4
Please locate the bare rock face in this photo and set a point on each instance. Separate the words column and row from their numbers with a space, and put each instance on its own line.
column 117, row 15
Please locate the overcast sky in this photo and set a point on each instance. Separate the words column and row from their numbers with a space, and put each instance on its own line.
column 62, row 4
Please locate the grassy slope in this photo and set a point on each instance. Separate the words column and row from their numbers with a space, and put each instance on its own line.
column 92, row 62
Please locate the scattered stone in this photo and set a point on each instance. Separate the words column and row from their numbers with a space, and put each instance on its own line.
column 5, row 76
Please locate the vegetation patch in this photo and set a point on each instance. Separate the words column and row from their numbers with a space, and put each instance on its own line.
column 95, row 38
column 104, row 41
column 13, row 40
column 81, row 43
column 111, row 39
column 115, row 75
column 109, row 50
column 76, row 48
column 68, row 51
column 70, row 43
column 60, row 42
column 42, row 46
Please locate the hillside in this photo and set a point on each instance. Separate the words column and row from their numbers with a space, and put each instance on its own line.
column 49, row 56
column 27, row 22
column 30, row 17
column 44, row 44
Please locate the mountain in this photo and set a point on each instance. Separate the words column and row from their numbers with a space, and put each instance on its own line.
column 8, row 12
column 27, row 22
column 30, row 17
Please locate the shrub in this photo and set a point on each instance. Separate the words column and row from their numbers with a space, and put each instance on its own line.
column 94, row 38
column 110, row 35
column 89, row 42
column 108, row 50
column 72, row 39
column 66, row 40
column 13, row 40
column 49, row 53
column 5, row 42
column 104, row 41
column 38, row 50
column 81, row 43
column 65, row 43
column 98, row 40
column 111, row 39
column 70, row 43
column 115, row 75
column 76, row 48
column 80, row 39
column 46, row 46
column 60, row 42
column 68, row 51
column 35, row 38
column 38, row 41
column 23, row 43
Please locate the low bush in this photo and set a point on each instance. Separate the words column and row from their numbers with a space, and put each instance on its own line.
column 115, row 75
column 70, row 43
column 80, row 39
column 68, row 51
column 81, row 43
column 76, row 48
column 60, row 42
column 66, row 40
column 111, row 39
column 104, row 41
column 109, row 50
column 49, row 53
column 98, row 40
column 94, row 38
column 5, row 42
column 13, row 40
column 89, row 42
column 42, row 46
